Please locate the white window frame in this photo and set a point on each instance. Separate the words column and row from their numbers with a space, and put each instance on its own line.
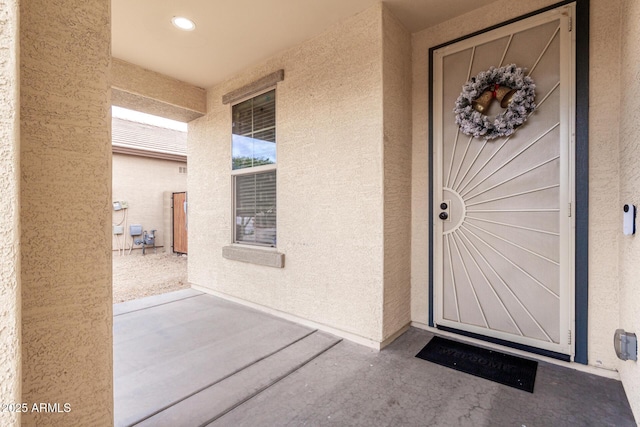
column 252, row 171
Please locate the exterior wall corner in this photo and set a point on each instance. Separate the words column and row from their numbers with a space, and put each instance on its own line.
column 65, row 210
column 10, row 287
column 397, row 85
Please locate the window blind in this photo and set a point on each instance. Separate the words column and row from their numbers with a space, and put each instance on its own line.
column 254, row 131
column 255, row 208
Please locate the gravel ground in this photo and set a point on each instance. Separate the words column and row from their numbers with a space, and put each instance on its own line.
column 136, row 276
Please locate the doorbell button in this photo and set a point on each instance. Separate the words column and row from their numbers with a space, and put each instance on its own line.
column 628, row 219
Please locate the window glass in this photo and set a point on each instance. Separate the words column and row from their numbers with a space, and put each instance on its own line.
column 256, row 208
column 254, row 144
column 254, row 131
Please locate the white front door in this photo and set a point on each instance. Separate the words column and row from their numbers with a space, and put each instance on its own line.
column 503, row 258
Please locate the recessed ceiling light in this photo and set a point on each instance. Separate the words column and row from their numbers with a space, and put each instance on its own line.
column 183, row 23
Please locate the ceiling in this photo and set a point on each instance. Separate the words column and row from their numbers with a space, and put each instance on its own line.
column 231, row 35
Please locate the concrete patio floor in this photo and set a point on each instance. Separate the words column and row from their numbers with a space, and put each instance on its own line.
column 191, row 359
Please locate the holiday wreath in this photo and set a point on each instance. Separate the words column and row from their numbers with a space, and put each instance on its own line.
column 510, row 86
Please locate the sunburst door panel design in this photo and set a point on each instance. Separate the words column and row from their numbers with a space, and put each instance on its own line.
column 503, row 251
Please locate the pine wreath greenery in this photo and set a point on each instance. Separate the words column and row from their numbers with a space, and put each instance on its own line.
column 472, row 122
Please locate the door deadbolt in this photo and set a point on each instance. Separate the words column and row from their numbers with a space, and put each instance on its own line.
column 444, row 207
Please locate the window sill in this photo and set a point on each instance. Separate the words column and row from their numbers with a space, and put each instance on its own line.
column 269, row 258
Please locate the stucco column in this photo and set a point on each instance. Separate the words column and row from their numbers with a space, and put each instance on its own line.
column 10, row 374
column 65, row 215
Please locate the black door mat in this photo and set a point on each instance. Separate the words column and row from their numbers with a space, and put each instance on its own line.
column 491, row 365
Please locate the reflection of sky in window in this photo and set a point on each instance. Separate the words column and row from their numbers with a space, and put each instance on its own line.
column 245, row 146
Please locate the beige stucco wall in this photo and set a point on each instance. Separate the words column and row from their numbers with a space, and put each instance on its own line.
column 65, row 213
column 330, row 184
column 139, row 89
column 396, row 80
column 10, row 306
column 142, row 181
column 604, row 228
column 629, row 189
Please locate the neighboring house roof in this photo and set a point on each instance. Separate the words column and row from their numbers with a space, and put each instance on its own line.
column 139, row 139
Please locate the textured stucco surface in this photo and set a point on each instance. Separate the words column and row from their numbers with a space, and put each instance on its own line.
column 10, row 351
column 141, row 182
column 629, row 190
column 66, row 210
column 152, row 106
column 396, row 80
column 603, row 181
column 144, row 90
column 330, row 183
column 604, row 228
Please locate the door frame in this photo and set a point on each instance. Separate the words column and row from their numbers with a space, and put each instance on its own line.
column 581, row 181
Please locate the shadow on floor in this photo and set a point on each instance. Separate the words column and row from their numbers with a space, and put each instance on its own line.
column 190, row 359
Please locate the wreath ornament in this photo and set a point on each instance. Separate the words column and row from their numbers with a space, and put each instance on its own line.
column 510, row 86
